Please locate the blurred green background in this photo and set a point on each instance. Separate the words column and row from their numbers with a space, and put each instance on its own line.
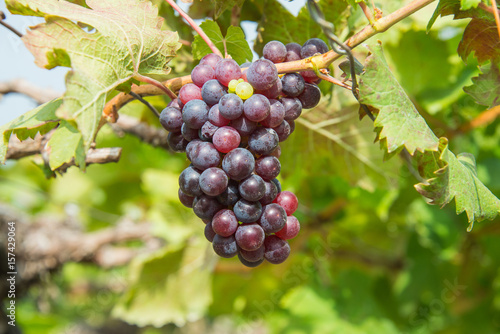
column 371, row 257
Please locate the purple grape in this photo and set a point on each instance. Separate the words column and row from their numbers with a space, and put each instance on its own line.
column 212, row 91
column 248, row 263
column 231, row 195
column 216, row 118
column 276, row 114
column 226, row 139
column 205, row 155
column 262, row 74
column 267, row 167
column 189, row 92
column 244, row 126
column 256, row 108
column 249, row 237
column 273, row 218
column 288, row 201
column 270, row 193
column 227, row 70
column 201, row 74
column 277, row 152
column 292, row 126
column 206, row 207
column 225, row 247
column 310, row 97
column 246, row 211
column 191, row 147
column 176, row 142
column 207, row 131
column 188, row 133
column 211, row 60
column 224, row 223
column 283, row 131
column 253, row 256
column 209, row 232
column 171, row 119
column 189, row 182
column 263, row 141
column 310, row 77
column 293, row 84
column 274, row 92
column 185, row 199
column 293, row 108
column 290, row 230
column 274, row 51
column 213, row 181
column 231, row 106
column 293, row 51
column 238, row 164
column 175, row 103
column 195, row 114
column 252, row 188
column 313, row 46
column 276, row 250
column 277, row 184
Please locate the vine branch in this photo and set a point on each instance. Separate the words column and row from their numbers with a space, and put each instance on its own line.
column 320, row 61
column 8, row 26
column 195, row 27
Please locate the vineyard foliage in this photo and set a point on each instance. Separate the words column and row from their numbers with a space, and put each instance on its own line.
column 399, row 216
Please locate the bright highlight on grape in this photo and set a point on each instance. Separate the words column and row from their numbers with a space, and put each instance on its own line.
column 230, row 130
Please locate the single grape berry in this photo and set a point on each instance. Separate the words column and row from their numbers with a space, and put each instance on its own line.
column 249, row 264
column 244, row 126
column 283, row 131
column 175, row 103
column 246, row 211
column 207, row 131
column 231, row 106
column 206, row 207
column 195, row 114
column 226, row 139
column 188, row 133
column 171, row 119
column 310, row 97
column 211, row 60
column 276, row 114
column 185, row 199
column 250, row 237
column 205, row 156
column 225, row 246
column 253, row 256
column 224, row 223
column 276, row 250
column 189, row 181
column 275, row 51
column 267, row 167
column 231, row 195
column 227, row 70
column 201, row 74
column 262, row 74
column 212, row 91
column 252, row 188
column 270, row 193
column 277, row 184
column 256, row 108
column 189, row 92
column 176, row 142
column 293, row 84
column 192, row 147
column 263, row 141
column 293, row 51
column 273, row 218
column 244, row 90
column 288, row 201
column 274, row 92
column 313, row 46
column 293, row 108
column 238, row 164
column 216, row 118
column 213, row 181
column 209, row 232
column 290, row 230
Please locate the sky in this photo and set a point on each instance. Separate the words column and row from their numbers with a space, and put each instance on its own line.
column 17, row 62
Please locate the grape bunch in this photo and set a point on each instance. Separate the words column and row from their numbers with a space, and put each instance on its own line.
column 230, row 122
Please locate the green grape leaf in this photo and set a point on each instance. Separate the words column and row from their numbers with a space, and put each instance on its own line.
column 235, row 42
column 279, row 24
column 480, row 37
column 468, row 4
column 65, row 144
column 400, row 125
column 127, row 42
column 486, row 87
column 455, row 177
column 222, row 5
column 398, row 122
column 170, row 286
column 41, row 120
column 453, row 7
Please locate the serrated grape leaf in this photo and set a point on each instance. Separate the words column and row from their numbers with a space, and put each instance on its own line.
column 127, row 41
column 171, row 286
column 481, row 37
column 453, row 7
column 41, row 120
column 398, row 122
column 221, row 5
column 235, row 42
column 65, row 144
column 468, row 4
column 279, row 24
column 454, row 177
column 486, row 87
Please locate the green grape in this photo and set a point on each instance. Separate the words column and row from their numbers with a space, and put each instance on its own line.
column 241, row 80
column 244, row 90
column 232, row 86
